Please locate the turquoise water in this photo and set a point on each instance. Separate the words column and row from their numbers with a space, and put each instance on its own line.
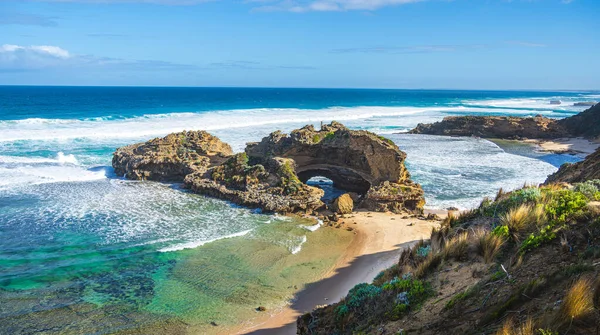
column 83, row 251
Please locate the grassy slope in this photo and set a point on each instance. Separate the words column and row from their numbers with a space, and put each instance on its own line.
column 526, row 263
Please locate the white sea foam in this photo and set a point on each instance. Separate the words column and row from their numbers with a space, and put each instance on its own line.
column 15, row 170
column 195, row 244
column 296, row 248
column 461, row 171
column 542, row 103
column 156, row 125
column 313, row 227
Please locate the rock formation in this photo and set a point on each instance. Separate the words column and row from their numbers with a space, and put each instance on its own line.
column 495, row 127
column 587, row 169
column 170, row 158
column 343, row 204
column 271, row 174
column 585, row 124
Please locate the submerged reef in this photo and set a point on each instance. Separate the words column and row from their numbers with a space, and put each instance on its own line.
column 272, row 174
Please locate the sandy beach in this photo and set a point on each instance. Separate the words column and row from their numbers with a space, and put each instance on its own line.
column 576, row 146
column 378, row 241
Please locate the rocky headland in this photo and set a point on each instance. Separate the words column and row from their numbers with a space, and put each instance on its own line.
column 585, row 124
column 272, row 174
column 587, row 169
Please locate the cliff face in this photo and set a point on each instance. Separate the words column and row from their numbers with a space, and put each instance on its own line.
column 587, row 169
column 494, row 127
column 271, row 174
column 585, row 124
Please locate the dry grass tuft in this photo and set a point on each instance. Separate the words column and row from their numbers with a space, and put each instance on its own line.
column 439, row 237
column 488, row 245
column 517, row 220
column 428, row 264
column 577, row 304
column 509, row 328
column 457, row 247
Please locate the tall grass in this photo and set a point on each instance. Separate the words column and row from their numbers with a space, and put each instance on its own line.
column 578, row 302
column 509, row 328
column 488, row 245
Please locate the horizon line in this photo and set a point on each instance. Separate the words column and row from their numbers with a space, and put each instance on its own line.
column 321, row 88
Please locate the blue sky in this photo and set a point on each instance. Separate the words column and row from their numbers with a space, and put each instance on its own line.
column 473, row 44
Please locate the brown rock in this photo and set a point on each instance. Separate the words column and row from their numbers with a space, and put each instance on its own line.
column 587, row 169
column 495, row 127
column 271, row 175
column 585, row 124
column 170, row 158
column 343, row 204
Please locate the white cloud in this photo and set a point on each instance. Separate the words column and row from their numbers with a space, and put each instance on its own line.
column 330, row 5
column 17, row 57
column 36, row 57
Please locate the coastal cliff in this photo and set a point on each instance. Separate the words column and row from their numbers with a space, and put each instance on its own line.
column 272, row 174
column 523, row 263
column 587, row 169
column 585, row 124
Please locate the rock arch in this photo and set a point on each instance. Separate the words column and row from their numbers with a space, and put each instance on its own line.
column 357, row 161
column 272, row 174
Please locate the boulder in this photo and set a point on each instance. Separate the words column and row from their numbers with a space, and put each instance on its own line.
column 343, row 204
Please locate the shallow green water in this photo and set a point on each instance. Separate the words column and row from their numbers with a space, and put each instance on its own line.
column 106, row 269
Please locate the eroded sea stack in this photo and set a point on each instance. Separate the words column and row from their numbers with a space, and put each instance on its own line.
column 271, row 174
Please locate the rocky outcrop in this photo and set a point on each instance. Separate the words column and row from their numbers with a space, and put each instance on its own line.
column 343, row 204
column 587, row 169
column 170, row 158
column 495, row 127
column 272, row 174
column 357, row 161
column 585, row 124
column 273, row 187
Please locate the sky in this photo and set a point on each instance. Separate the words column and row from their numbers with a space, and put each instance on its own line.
column 451, row 44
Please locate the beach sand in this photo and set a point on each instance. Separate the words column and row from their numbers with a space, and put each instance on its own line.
column 576, row 146
column 379, row 238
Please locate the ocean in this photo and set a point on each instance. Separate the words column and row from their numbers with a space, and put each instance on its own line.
column 84, row 251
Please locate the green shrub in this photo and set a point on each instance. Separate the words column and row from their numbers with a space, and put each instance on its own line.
column 564, row 204
column 424, row 251
column 316, row 138
column 501, row 231
column 386, row 140
column 528, row 194
column 341, row 311
column 589, row 188
column 329, row 135
column 361, row 292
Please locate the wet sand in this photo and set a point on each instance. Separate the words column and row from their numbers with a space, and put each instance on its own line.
column 378, row 241
column 576, row 146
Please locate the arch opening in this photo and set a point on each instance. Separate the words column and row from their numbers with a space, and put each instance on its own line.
column 336, row 180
